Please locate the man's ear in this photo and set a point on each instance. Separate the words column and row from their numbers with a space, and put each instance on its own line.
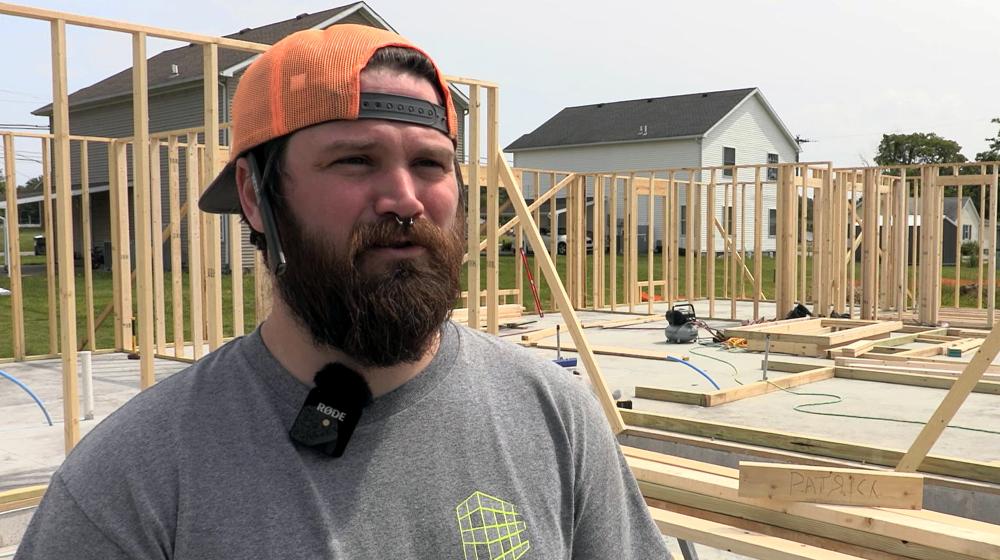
column 248, row 198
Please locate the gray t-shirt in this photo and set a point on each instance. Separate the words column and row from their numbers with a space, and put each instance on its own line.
column 490, row 453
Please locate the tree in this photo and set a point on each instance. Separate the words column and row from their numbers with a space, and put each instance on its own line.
column 920, row 148
column 916, row 148
column 31, row 213
column 993, row 154
column 32, row 183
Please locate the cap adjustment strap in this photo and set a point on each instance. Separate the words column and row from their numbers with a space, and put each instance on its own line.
column 404, row 109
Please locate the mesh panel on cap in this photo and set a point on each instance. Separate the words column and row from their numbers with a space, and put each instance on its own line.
column 331, row 71
column 251, row 110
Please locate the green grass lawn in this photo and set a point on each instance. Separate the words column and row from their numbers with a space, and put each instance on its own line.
column 27, row 238
column 506, row 265
column 970, row 277
column 36, row 310
column 37, row 315
column 27, row 244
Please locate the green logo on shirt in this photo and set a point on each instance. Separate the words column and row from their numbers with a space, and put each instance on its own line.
column 491, row 529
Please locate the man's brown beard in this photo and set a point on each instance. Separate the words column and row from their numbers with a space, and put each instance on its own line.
column 379, row 316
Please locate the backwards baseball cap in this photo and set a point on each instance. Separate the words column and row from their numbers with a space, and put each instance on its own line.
column 311, row 77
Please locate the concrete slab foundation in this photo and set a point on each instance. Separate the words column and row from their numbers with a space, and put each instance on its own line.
column 30, row 450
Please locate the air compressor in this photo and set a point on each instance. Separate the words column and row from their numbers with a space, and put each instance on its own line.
column 682, row 324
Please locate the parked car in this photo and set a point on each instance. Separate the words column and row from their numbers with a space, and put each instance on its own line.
column 560, row 241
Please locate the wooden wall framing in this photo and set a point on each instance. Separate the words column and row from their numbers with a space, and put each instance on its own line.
column 832, row 251
column 606, row 207
column 679, row 200
column 138, row 306
column 61, row 238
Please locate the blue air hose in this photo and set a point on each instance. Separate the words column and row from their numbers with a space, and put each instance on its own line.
column 27, row 390
column 696, row 368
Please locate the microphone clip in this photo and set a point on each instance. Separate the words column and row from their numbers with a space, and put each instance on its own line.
column 331, row 410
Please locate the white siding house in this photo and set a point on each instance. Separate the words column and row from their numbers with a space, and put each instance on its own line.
column 970, row 217
column 693, row 130
column 970, row 226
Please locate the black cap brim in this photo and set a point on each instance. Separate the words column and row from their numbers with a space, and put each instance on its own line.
column 221, row 196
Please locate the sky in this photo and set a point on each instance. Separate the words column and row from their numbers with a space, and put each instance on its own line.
column 839, row 73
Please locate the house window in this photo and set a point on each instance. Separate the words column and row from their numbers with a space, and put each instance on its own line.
column 684, row 221
column 728, row 158
column 772, row 172
column 772, row 222
column 966, row 232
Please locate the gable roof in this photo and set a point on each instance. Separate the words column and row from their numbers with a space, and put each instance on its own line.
column 676, row 116
column 189, row 58
column 951, row 207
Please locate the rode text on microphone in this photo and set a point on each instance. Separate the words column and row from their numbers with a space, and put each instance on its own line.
column 331, row 410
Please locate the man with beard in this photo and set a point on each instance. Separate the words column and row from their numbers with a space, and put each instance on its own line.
column 357, row 421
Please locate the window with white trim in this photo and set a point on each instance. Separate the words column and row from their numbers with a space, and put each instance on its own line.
column 728, row 158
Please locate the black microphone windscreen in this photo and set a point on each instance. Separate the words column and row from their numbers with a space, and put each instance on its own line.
column 331, row 410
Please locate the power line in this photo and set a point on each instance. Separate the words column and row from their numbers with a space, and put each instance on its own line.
column 13, row 126
column 21, row 93
column 24, row 176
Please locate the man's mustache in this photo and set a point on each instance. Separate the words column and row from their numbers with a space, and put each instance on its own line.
column 390, row 233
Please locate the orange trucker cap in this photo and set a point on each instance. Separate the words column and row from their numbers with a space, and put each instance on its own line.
column 311, row 77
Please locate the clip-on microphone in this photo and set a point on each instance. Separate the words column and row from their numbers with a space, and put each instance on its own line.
column 332, row 410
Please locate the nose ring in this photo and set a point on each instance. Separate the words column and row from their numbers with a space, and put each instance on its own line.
column 405, row 222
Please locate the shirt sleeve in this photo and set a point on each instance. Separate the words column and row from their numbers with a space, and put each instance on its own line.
column 612, row 519
column 60, row 529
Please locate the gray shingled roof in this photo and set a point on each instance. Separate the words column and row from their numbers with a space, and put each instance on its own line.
column 664, row 117
column 189, row 60
column 950, row 207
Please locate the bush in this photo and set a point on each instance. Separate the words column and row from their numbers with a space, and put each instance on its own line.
column 970, row 249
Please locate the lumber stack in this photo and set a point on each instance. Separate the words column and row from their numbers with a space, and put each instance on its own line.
column 878, row 364
column 756, row 543
column 810, row 337
column 967, row 469
column 507, row 311
column 971, row 318
column 706, row 497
